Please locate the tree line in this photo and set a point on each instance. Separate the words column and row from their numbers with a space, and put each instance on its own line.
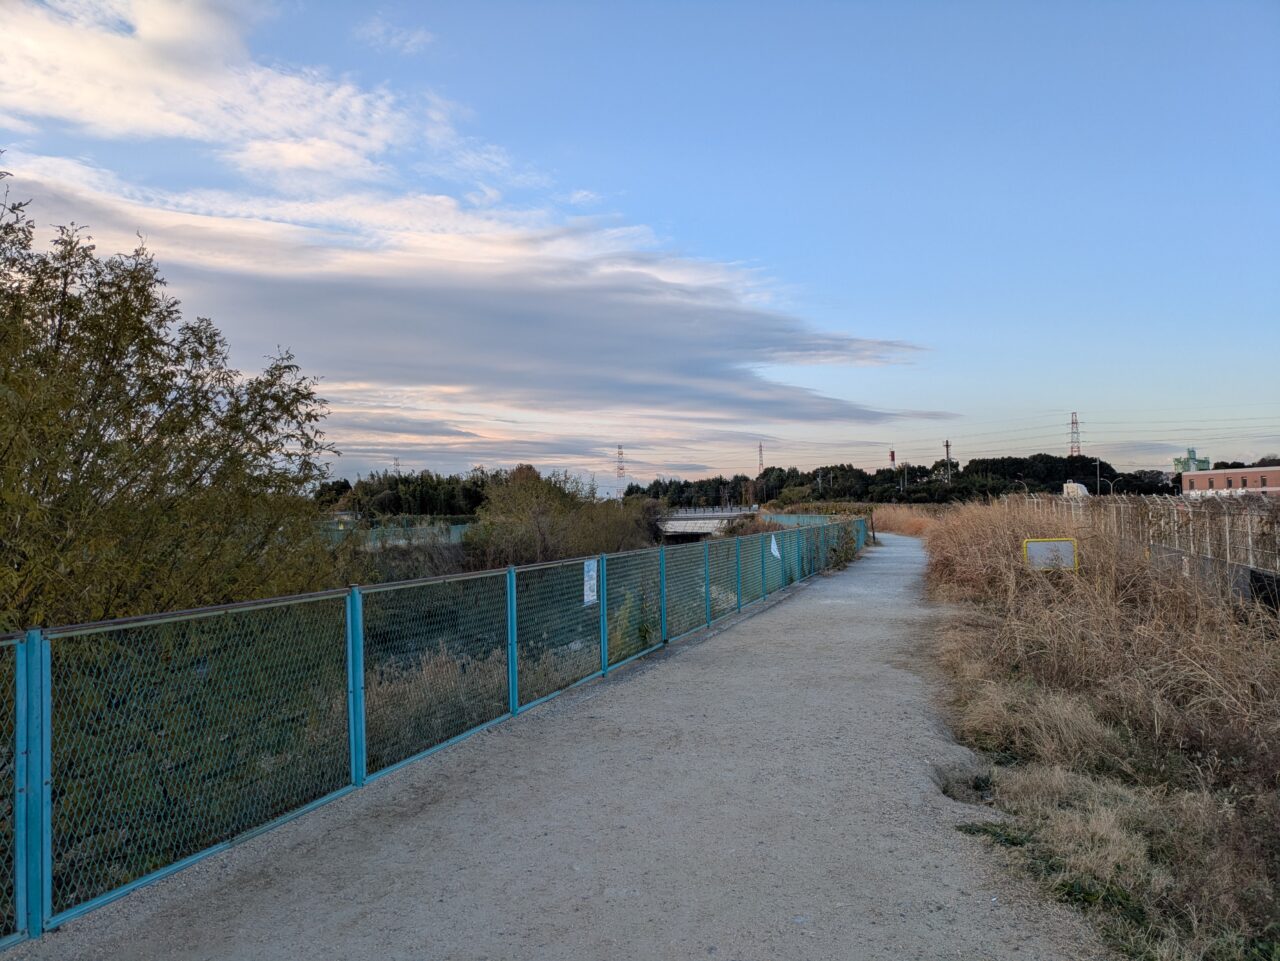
column 909, row 483
column 140, row 472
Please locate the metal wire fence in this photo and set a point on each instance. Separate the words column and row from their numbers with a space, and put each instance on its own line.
column 9, row 833
column 129, row 749
column 752, row 567
column 435, row 663
column 1241, row 531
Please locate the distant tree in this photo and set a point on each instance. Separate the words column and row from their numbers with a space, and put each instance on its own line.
column 138, row 471
column 1143, row 482
column 1228, row 465
column 1270, row 460
column 331, row 492
column 528, row 518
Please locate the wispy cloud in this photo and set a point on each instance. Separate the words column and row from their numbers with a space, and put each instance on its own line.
column 451, row 327
column 383, row 35
column 153, row 68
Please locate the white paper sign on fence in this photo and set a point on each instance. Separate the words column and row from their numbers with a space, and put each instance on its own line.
column 590, row 593
column 773, row 547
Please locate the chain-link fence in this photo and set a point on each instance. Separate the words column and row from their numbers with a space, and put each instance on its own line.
column 171, row 736
column 10, row 836
column 131, row 748
column 435, row 663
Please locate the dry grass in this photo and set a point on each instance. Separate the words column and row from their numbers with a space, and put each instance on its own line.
column 423, row 702
column 906, row 518
column 754, row 524
column 411, row 707
column 1134, row 716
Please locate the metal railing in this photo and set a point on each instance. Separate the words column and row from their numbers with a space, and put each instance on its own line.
column 133, row 748
column 703, row 511
column 1240, row 531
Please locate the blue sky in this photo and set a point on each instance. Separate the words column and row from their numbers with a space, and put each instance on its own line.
column 519, row 231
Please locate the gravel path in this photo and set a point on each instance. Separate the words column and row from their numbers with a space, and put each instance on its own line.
column 761, row 794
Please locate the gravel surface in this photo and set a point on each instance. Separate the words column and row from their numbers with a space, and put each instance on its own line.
column 766, row 792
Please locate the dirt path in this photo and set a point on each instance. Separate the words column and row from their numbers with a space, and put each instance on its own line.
column 763, row 794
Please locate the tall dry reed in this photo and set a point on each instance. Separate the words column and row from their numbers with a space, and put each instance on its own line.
column 912, row 519
column 1134, row 715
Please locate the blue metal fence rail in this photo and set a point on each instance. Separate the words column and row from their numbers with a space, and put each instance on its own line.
column 139, row 746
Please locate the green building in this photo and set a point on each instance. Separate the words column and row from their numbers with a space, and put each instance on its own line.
column 1190, row 462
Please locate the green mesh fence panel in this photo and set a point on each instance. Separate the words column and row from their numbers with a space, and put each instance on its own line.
column 635, row 604
column 724, row 577
column 171, row 736
column 686, row 589
column 8, row 786
column 557, row 627
column 751, row 587
column 835, row 537
column 435, row 663
column 774, row 569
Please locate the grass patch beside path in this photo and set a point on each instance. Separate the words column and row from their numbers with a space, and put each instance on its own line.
column 1133, row 716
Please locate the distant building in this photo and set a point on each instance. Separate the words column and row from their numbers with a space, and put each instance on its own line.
column 1072, row 489
column 1191, row 462
column 1232, row 482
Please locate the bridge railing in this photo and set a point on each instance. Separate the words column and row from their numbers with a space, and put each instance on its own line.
column 699, row 511
column 131, row 748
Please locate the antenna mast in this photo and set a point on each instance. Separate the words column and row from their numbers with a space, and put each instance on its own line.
column 622, row 471
column 761, row 471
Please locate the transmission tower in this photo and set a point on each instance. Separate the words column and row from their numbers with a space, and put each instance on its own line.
column 622, row 471
column 1075, row 435
column 761, row 471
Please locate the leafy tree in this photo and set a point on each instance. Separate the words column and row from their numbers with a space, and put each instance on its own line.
column 529, row 518
column 139, row 472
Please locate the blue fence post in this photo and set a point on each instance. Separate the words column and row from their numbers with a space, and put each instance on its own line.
column 662, row 590
column 33, row 773
column 355, row 686
column 604, row 614
column 706, row 576
column 737, row 563
column 513, row 663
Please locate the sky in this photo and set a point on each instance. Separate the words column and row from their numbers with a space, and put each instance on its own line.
column 532, row 232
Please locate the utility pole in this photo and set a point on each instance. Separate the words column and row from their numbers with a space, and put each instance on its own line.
column 947, row 446
column 1097, row 487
